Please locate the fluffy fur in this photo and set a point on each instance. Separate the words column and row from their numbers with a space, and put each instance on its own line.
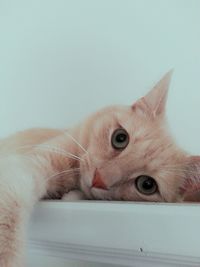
column 47, row 163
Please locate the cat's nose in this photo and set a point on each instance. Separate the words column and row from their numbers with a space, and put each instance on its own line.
column 98, row 181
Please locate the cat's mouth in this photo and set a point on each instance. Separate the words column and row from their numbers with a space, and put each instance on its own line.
column 95, row 188
column 98, row 189
column 92, row 182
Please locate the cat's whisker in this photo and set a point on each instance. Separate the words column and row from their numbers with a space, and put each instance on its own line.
column 61, row 151
column 87, row 154
column 75, row 141
column 55, row 150
column 69, row 171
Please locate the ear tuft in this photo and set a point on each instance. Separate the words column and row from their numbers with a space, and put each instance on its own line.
column 155, row 101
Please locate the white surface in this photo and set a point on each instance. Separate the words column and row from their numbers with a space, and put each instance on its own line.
column 61, row 60
column 125, row 234
column 39, row 260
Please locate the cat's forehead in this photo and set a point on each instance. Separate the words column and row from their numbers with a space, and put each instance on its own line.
column 111, row 115
column 127, row 118
column 115, row 113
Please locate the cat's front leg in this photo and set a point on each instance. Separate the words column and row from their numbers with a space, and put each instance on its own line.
column 11, row 235
column 16, row 200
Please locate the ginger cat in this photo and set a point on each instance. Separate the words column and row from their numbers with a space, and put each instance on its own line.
column 118, row 153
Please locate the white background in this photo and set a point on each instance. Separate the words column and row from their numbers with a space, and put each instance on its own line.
column 61, row 60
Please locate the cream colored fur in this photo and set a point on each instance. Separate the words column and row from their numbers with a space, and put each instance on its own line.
column 47, row 163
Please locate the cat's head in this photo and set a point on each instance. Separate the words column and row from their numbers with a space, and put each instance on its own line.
column 131, row 155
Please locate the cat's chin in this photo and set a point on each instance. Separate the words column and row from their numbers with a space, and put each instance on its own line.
column 98, row 193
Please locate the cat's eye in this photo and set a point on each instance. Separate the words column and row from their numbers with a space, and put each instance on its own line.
column 120, row 139
column 146, row 185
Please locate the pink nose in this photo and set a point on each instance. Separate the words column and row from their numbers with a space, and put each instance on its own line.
column 98, row 182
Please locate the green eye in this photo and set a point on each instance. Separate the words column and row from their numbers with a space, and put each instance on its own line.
column 119, row 139
column 146, row 185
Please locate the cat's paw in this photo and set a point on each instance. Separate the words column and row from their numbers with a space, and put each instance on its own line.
column 73, row 196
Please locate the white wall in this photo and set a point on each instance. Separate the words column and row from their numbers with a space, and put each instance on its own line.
column 60, row 60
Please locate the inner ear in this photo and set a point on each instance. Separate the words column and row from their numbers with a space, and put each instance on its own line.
column 190, row 185
column 155, row 101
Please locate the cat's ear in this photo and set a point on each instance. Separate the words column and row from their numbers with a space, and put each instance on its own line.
column 190, row 184
column 154, row 102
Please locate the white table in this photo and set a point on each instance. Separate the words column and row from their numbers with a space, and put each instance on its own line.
column 118, row 233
